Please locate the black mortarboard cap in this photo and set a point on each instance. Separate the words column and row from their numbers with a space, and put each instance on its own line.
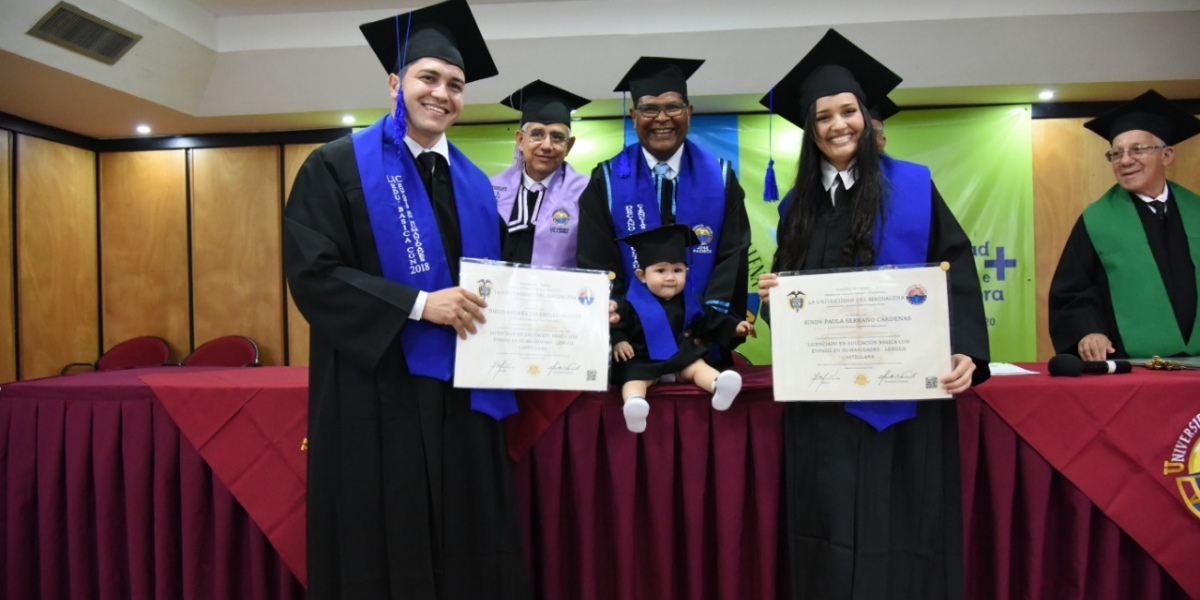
column 654, row 76
column 884, row 109
column 541, row 102
column 1148, row 112
column 668, row 243
column 833, row 66
column 446, row 30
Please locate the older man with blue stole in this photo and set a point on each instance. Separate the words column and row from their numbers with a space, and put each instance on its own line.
column 409, row 488
column 664, row 179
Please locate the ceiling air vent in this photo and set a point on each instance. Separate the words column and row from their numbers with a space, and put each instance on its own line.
column 76, row 30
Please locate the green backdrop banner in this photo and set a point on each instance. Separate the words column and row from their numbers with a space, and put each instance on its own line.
column 981, row 160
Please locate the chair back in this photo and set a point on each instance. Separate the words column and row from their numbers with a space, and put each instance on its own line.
column 225, row 351
column 144, row 351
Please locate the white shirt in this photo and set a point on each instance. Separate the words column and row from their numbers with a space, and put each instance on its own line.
column 528, row 181
column 672, row 163
column 829, row 172
column 441, row 147
column 1159, row 198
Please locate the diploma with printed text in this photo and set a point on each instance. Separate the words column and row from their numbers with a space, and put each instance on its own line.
column 546, row 329
column 873, row 334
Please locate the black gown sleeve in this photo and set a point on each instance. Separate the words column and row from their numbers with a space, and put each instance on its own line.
column 338, row 286
column 597, row 246
column 730, row 276
column 968, row 324
column 1077, row 301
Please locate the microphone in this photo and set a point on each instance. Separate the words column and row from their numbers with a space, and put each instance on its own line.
column 1069, row 365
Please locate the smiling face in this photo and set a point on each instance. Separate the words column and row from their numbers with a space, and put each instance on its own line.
column 839, row 127
column 664, row 279
column 1146, row 175
column 544, row 147
column 433, row 97
column 662, row 134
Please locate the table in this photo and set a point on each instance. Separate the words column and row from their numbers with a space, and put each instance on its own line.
column 103, row 499
column 1064, row 489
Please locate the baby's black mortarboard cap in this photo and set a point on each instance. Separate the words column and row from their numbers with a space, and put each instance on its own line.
column 1148, row 112
column 654, row 76
column 835, row 65
column 446, row 30
column 668, row 243
column 540, row 102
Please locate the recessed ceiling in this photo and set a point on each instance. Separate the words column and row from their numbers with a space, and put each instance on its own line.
column 208, row 66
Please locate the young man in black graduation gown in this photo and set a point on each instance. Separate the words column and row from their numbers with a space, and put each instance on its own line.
column 873, row 489
column 692, row 187
column 1126, row 282
column 409, row 489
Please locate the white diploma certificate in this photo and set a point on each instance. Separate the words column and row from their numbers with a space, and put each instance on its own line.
column 878, row 334
column 546, row 329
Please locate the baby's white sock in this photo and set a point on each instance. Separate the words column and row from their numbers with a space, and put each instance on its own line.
column 636, row 410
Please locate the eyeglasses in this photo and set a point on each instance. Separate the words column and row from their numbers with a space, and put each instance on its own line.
column 1137, row 152
column 651, row 111
column 538, row 136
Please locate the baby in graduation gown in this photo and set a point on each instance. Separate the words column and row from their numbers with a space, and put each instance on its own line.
column 663, row 332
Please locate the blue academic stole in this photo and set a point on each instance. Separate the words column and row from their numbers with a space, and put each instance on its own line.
column 901, row 238
column 410, row 244
column 634, row 204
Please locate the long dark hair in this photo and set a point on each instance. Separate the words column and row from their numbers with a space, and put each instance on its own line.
column 866, row 199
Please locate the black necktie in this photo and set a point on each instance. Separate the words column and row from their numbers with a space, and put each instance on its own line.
column 835, row 192
column 429, row 163
column 1159, row 207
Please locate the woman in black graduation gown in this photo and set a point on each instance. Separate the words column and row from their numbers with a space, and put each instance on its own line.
column 872, row 511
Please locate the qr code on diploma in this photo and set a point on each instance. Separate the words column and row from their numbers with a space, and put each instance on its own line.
column 591, row 375
column 931, row 383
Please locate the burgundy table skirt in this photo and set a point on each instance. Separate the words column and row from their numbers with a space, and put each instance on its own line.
column 689, row 509
column 103, row 499
column 1032, row 534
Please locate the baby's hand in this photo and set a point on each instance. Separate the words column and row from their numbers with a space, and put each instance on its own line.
column 746, row 328
column 622, row 352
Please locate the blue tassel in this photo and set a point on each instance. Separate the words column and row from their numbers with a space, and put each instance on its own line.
column 399, row 125
column 770, row 188
column 621, row 168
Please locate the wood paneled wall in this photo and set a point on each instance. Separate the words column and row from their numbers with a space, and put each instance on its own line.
column 293, row 158
column 237, row 263
column 151, row 256
column 8, row 323
column 1069, row 172
column 144, row 247
column 57, row 261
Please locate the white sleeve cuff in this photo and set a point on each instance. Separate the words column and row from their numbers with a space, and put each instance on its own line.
column 419, row 306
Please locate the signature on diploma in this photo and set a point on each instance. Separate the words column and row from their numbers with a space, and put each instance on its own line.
column 890, row 377
column 499, row 368
column 567, row 369
column 820, row 380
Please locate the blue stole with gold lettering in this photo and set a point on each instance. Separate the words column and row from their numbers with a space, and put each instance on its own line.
column 410, row 244
column 634, row 204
